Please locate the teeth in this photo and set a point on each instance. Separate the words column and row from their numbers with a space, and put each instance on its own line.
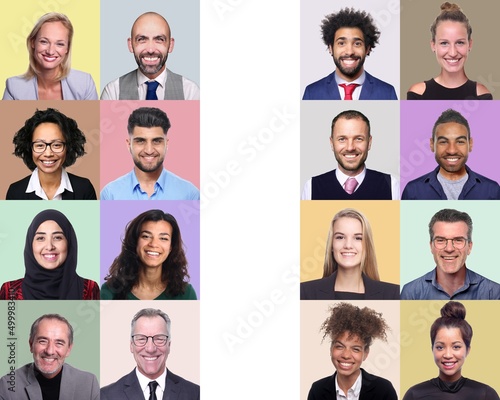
column 345, row 364
column 153, row 253
column 348, row 254
column 49, row 256
column 350, row 155
column 151, row 58
column 150, row 358
column 48, row 162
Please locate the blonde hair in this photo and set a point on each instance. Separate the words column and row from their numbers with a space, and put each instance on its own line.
column 451, row 12
column 65, row 65
column 368, row 258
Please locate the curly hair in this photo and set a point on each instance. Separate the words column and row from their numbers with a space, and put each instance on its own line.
column 73, row 136
column 451, row 12
column 452, row 316
column 364, row 322
column 65, row 65
column 124, row 271
column 350, row 18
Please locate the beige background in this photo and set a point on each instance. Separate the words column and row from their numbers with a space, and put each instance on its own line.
column 116, row 358
column 315, row 362
column 418, row 63
column 13, row 115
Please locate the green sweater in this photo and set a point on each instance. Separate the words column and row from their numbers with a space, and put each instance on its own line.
column 189, row 294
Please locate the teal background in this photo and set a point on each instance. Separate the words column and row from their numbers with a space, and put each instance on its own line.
column 15, row 218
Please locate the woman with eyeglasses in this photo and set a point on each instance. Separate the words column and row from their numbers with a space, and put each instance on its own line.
column 49, row 142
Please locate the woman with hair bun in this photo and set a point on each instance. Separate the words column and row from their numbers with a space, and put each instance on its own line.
column 451, row 42
column 451, row 336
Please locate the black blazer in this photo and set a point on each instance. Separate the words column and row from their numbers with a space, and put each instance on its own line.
column 128, row 388
column 372, row 388
column 82, row 190
column 322, row 289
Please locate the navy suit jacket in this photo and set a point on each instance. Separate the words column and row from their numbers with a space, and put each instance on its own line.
column 327, row 89
column 372, row 388
column 128, row 387
column 82, row 190
column 322, row 289
column 427, row 187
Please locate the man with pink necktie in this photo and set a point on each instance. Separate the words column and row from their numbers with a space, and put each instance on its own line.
column 350, row 36
column 350, row 141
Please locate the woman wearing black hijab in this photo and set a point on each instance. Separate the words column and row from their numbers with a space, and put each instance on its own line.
column 50, row 259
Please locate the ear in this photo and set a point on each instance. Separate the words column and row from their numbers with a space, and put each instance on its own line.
column 171, row 46
column 367, row 351
column 470, row 45
column 331, row 142
column 471, row 142
column 469, row 247
column 128, row 144
column 368, row 49
column 431, row 144
column 370, row 142
column 129, row 44
column 69, row 350
column 433, row 46
column 467, row 352
column 330, row 49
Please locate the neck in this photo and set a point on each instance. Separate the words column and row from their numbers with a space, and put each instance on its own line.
column 148, row 177
column 347, row 382
column 349, row 78
column 453, row 176
column 349, row 280
column 150, row 277
column 50, row 180
column 451, row 79
column 451, row 282
column 47, row 78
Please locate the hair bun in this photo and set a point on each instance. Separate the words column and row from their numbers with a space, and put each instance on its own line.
column 453, row 309
column 447, row 7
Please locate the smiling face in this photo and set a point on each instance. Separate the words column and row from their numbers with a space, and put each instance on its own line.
column 48, row 162
column 449, row 353
column 154, row 243
column 347, row 244
column 347, row 354
column 350, row 143
column 349, row 52
column 148, row 147
column 151, row 359
column 50, row 346
column 451, row 46
column 450, row 261
column 151, row 43
column 451, row 146
column 50, row 246
column 51, row 45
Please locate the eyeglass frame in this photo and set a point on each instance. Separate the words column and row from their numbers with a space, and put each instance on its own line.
column 48, row 145
column 452, row 242
column 147, row 340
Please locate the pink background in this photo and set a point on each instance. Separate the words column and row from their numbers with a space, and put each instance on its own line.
column 183, row 154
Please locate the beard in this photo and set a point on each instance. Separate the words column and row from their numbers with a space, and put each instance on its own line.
column 147, row 69
column 349, row 72
column 149, row 167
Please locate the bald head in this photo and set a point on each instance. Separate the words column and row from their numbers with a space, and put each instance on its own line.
column 147, row 18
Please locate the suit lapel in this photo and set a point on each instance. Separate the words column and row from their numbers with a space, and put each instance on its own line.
column 132, row 388
column 172, row 389
column 367, row 91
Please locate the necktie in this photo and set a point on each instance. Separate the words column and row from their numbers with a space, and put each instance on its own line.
column 348, row 90
column 152, row 390
column 151, row 94
column 350, row 185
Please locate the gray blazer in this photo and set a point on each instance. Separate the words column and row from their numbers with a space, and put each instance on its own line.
column 75, row 385
column 128, row 388
column 77, row 85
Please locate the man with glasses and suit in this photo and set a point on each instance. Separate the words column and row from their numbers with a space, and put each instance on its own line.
column 451, row 242
column 150, row 345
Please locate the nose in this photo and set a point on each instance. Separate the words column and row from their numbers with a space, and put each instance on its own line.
column 48, row 151
column 452, row 51
column 348, row 48
column 350, row 145
column 150, row 346
column 49, row 349
column 449, row 245
column 49, row 244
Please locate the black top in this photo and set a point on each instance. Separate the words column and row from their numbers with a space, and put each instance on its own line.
column 434, row 91
column 432, row 390
column 50, row 386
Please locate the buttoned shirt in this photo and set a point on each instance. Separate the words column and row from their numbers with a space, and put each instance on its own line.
column 168, row 187
column 352, row 393
column 476, row 287
column 144, row 384
column 34, row 185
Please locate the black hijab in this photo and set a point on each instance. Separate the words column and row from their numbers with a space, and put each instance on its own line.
column 61, row 283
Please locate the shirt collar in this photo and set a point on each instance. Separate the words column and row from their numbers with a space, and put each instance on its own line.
column 144, row 381
column 34, row 185
column 359, row 81
column 355, row 389
column 341, row 177
column 141, row 78
column 161, row 182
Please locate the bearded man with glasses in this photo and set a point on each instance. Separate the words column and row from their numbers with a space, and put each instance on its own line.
column 451, row 242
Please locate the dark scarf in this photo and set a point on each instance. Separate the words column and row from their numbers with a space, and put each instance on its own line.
column 449, row 387
column 61, row 283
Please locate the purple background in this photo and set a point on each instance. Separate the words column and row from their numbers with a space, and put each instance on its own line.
column 116, row 214
column 417, row 120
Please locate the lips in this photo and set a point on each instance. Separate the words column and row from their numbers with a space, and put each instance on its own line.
column 50, row 256
column 448, row 364
column 345, row 365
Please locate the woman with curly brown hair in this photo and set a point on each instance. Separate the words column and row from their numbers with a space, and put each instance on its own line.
column 152, row 264
column 351, row 331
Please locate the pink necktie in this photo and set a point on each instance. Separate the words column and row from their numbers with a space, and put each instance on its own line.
column 348, row 90
column 350, row 185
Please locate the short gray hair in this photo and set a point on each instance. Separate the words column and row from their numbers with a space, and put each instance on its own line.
column 150, row 313
column 34, row 326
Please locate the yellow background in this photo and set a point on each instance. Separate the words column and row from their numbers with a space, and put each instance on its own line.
column 17, row 23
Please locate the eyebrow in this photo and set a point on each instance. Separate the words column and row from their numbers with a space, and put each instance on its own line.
column 160, row 234
column 342, row 233
column 354, row 38
column 456, row 138
column 53, row 233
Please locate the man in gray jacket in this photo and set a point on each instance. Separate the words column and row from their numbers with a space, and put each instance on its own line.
column 48, row 377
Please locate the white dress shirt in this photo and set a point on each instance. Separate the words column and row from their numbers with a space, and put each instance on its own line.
column 360, row 81
column 144, row 382
column 34, row 185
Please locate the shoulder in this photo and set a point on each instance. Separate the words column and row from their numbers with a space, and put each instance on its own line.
column 71, row 371
column 388, row 290
column 183, row 189
column 414, row 289
column 83, row 187
column 11, row 290
column 189, row 293
column 184, row 384
column 318, row 90
column 18, row 188
column 80, row 180
column 377, row 81
column 75, row 75
column 483, row 179
column 483, row 388
column 106, row 293
column 113, row 190
column 20, row 88
column 418, row 88
column 322, row 385
column 420, row 390
column 318, row 289
column 90, row 290
column 120, row 384
column 481, row 89
column 379, row 384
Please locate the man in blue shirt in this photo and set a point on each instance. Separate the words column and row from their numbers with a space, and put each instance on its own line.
column 147, row 141
column 451, row 242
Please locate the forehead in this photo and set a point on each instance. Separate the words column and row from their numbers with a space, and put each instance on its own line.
column 48, row 130
column 53, row 328
column 150, row 25
column 151, row 326
column 142, row 132
column 451, row 129
column 347, row 223
column 450, row 229
column 349, row 339
column 451, row 29
column 451, row 334
column 157, row 227
column 353, row 126
column 49, row 226
column 349, row 34
column 55, row 28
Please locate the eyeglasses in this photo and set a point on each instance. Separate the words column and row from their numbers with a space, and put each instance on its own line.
column 142, row 340
column 458, row 243
column 40, row 146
